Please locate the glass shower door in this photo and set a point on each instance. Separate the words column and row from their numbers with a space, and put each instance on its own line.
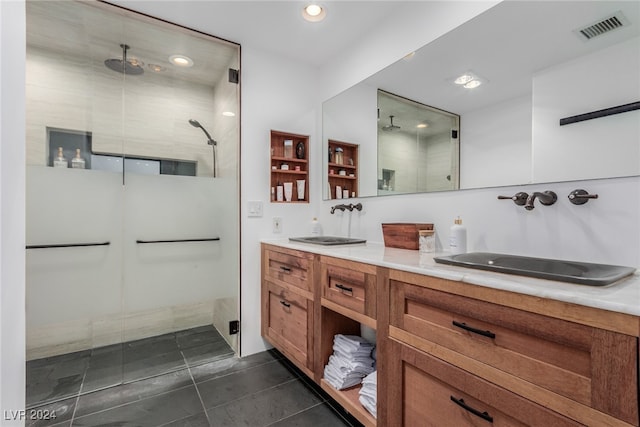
column 181, row 220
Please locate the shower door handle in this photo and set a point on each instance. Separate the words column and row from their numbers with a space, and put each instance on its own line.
column 67, row 245
column 210, row 239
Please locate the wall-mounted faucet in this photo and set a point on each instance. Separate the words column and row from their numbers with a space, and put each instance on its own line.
column 547, row 198
column 580, row 197
column 350, row 207
column 519, row 198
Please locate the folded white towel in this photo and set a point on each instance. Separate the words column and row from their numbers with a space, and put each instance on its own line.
column 368, row 393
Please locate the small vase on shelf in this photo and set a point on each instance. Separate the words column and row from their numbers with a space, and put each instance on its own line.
column 78, row 162
column 59, row 161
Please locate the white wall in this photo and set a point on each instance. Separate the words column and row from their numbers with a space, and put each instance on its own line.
column 590, row 83
column 12, row 210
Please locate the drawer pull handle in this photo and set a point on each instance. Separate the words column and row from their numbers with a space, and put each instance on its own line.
column 287, row 269
column 286, row 304
column 344, row 288
column 474, row 330
column 484, row 415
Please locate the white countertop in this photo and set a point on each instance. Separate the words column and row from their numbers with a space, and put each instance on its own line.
column 622, row 296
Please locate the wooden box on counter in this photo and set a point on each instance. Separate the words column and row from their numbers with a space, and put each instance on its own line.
column 403, row 235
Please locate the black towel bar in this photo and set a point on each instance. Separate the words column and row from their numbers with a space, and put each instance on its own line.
column 210, row 239
column 67, row 245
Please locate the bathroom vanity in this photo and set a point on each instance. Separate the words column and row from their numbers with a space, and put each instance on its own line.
column 457, row 346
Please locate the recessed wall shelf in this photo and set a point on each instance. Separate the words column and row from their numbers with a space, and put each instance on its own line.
column 289, row 166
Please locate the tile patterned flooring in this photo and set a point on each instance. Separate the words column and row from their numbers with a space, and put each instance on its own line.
column 205, row 386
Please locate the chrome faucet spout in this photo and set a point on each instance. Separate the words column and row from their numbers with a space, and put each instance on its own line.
column 547, row 198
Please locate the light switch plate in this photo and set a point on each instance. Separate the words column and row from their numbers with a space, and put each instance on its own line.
column 254, row 209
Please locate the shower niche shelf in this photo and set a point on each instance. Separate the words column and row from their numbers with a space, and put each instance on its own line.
column 348, row 165
column 291, row 165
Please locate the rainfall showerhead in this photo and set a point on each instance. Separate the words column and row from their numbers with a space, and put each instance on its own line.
column 391, row 126
column 127, row 66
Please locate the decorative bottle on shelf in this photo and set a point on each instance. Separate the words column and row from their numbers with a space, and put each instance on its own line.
column 59, row 161
column 458, row 237
column 77, row 162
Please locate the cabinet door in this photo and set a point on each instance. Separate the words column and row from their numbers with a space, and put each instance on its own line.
column 566, row 358
column 288, row 323
column 426, row 391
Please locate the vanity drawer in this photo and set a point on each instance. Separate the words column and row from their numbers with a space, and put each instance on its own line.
column 438, row 394
column 350, row 285
column 570, row 359
column 291, row 267
column 289, row 320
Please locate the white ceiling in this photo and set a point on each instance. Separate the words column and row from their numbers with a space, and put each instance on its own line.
column 276, row 26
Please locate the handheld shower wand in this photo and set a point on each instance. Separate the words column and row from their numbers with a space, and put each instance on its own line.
column 210, row 141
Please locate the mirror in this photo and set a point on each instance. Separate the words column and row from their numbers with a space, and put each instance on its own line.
column 417, row 147
column 534, row 71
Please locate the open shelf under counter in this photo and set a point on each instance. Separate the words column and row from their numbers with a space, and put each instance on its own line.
column 350, row 401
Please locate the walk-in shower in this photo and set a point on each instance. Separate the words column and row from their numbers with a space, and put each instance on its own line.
column 132, row 271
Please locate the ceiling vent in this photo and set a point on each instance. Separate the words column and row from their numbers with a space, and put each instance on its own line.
column 602, row 26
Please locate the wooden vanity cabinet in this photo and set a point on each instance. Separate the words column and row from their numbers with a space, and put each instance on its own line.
column 288, row 311
column 452, row 353
column 580, row 371
column 438, row 394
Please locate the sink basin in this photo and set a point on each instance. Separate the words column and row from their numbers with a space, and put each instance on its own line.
column 583, row 273
column 327, row 240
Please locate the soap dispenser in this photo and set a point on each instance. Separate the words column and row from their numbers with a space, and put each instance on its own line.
column 458, row 237
column 316, row 228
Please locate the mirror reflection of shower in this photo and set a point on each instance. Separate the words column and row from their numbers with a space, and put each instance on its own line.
column 210, row 141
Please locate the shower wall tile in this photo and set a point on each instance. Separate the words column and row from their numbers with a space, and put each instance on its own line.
column 225, row 310
column 58, row 338
column 65, row 92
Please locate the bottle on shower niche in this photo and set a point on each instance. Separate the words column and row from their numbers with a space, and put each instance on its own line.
column 458, row 237
column 59, row 161
column 78, row 162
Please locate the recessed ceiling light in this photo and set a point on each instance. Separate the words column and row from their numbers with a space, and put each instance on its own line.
column 228, row 114
column 463, row 79
column 181, row 60
column 472, row 84
column 423, row 125
column 314, row 12
column 469, row 80
column 156, row 68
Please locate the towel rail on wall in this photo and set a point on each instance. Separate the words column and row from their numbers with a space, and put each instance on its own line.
column 601, row 113
column 210, row 239
column 67, row 245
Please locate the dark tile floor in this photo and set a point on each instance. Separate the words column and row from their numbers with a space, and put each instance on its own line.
column 263, row 389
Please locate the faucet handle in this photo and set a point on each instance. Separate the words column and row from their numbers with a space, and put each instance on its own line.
column 519, row 198
column 580, row 197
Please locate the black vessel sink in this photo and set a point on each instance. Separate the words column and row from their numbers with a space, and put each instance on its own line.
column 327, row 240
column 583, row 273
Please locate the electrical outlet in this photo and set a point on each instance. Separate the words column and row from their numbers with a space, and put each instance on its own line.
column 277, row 224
